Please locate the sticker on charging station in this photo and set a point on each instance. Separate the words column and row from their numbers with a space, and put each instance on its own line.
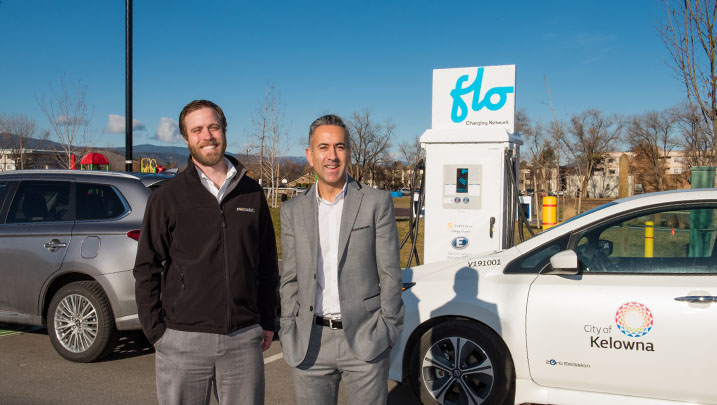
column 460, row 243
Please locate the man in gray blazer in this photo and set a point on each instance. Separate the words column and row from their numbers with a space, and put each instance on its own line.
column 341, row 307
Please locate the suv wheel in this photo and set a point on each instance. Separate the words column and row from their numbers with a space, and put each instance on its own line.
column 80, row 322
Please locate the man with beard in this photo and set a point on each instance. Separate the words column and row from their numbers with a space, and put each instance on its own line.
column 206, row 272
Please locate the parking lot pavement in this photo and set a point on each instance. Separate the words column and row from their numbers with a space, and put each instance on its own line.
column 31, row 372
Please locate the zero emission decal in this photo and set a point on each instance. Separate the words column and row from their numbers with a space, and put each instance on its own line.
column 634, row 320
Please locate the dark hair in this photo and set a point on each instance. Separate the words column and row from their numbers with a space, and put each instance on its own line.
column 329, row 119
column 198, row 105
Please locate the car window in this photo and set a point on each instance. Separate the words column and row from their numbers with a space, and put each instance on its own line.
column 674, row 241
column 535, row 260
column 3, row 191
column 98, row 201
column 41, row 201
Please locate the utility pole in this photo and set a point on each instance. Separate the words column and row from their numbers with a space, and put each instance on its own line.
column 128, row 87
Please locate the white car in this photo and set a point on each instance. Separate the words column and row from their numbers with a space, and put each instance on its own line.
column 615, row 306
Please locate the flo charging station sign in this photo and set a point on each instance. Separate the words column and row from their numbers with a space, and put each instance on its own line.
column 474, row 98
column 473, row 122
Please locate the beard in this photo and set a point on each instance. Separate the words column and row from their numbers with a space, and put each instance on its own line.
column 208, row 160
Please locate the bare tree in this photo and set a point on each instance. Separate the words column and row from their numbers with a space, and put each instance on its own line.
column 540, row 156
column 66, row 110
column 690, row 37
column 651, row 139
column 590, row 135
column 18, row 130
column 412, row 153
column 269, row 134
column 369, row 141
column 411, row 150
column 556, row 131
column 694, row 140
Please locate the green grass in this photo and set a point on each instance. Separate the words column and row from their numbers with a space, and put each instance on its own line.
column 402, row 202
column 11, row 329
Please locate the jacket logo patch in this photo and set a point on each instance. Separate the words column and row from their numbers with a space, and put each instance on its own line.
column 242, row 209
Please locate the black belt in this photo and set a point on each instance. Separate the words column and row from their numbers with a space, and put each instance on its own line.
column 331, row 323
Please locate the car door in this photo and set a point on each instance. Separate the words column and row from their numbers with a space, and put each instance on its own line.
column 34, row 238
column 641, row 318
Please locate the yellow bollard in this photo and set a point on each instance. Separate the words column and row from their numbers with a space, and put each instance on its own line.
column 550, row 212
column 649, row 238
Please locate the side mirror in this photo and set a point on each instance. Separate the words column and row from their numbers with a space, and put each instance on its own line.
column 605, row 246
column 565, row 263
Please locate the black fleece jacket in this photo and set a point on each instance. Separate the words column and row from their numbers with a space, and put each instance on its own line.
column 204, row 266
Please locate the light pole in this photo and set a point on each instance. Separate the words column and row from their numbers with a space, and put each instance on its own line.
column 128, row 87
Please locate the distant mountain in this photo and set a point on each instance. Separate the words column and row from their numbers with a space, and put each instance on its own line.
column 163, row 154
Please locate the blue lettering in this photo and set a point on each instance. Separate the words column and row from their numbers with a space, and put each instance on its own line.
column 459, row 109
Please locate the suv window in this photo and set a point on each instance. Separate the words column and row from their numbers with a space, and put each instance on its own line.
column 41, row 201
column 98, row 201
column 3, row 191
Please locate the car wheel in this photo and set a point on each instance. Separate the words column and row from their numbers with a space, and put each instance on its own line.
column 80, row 322
column 461, row 362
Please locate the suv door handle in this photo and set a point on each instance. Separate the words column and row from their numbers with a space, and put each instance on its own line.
column 55, row 244
column 696, row 298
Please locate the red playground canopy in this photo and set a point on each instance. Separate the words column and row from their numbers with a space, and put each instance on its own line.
column 94, row 159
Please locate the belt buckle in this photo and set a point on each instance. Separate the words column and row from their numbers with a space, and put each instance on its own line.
column 331, row 325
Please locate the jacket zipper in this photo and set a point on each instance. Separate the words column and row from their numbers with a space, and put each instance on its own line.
column 181, row 292
column 226, row 270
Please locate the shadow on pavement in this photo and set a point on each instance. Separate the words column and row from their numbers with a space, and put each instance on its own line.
column 131, row 344
column 402, row 394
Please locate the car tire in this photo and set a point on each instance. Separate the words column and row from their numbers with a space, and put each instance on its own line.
column 484, row 376
column 80, row 322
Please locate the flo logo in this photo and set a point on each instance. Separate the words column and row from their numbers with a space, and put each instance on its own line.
column 634, row 319
column 493, row 99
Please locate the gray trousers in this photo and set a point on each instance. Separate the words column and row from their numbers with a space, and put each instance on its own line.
column 189, row 363
column 328, row 361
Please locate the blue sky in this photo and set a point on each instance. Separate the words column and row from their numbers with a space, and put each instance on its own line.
column 333, row 56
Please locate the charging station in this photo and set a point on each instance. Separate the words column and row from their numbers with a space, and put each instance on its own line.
column 471, row 166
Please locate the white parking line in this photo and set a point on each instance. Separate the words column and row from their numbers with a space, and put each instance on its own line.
column 273, row 358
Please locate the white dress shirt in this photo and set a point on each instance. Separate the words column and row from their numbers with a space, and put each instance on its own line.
column 327, row 283
column 218, row 193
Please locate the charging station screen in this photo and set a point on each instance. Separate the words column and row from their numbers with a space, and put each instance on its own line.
column 461, row 180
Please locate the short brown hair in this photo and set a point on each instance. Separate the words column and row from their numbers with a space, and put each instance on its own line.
column 198, row 105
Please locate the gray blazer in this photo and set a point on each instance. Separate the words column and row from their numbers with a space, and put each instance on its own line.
column 370, row 281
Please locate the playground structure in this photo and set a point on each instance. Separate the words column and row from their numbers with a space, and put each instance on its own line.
column 98, row 161
column 91, row 161
column 149, row 165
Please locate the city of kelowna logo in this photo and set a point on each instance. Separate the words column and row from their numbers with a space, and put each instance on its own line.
column 633, row 320
column 459, row 110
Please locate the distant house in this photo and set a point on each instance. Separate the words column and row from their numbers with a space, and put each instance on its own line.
column 303, row 181
column 604, row 182
column 34, row 159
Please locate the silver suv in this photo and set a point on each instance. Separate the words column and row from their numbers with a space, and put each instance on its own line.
column 68, row 241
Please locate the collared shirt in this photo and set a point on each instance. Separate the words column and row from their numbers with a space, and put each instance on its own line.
column 327, row 283
column 218, row 193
